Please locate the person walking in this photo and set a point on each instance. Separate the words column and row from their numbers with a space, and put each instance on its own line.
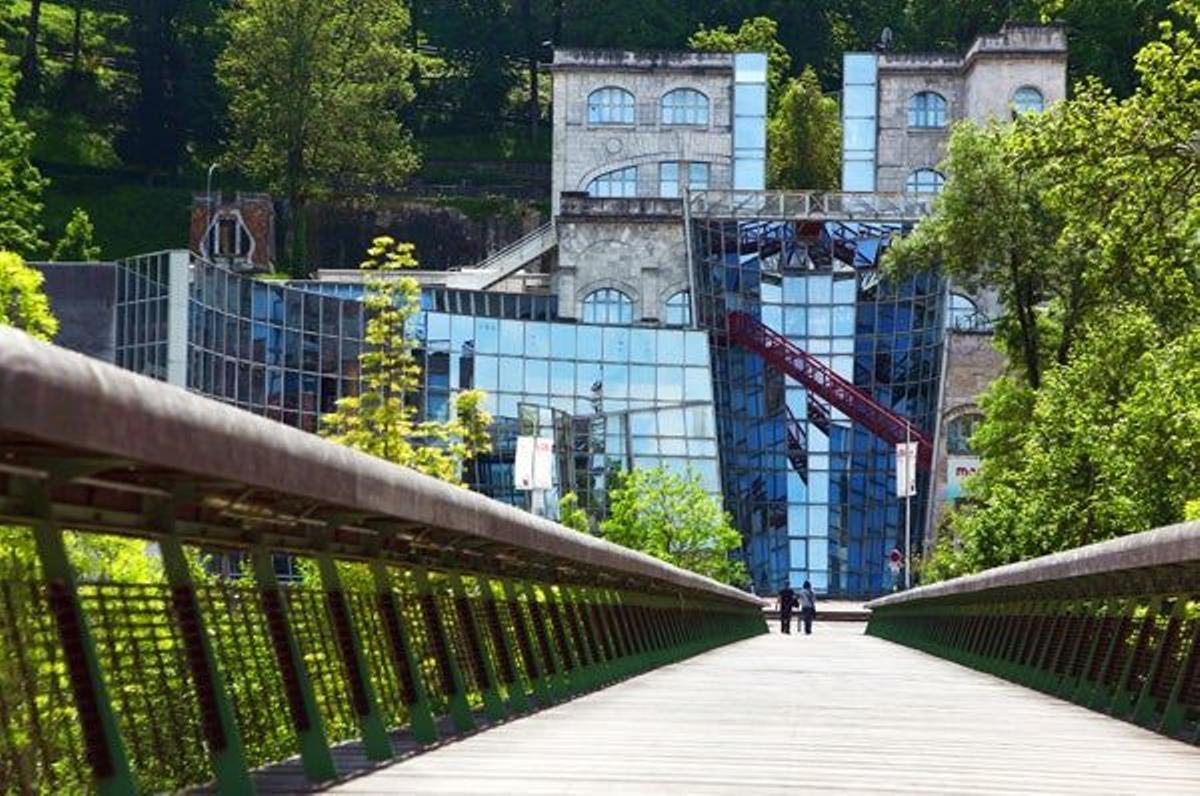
column 787, row 602
column 808, row 607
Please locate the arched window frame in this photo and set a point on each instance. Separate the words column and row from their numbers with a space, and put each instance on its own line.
column 958, row 433
column 684, row 107
column 677, row 309
column 925, row 181
column 964, row 315
column 611, row 105
column 1028, row 99
column 927, row 110
column 618, row 183
column 607, row 305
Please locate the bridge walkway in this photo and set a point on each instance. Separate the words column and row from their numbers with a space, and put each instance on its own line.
column 777, row 714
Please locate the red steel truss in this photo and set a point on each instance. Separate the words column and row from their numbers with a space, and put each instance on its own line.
column 786, row 357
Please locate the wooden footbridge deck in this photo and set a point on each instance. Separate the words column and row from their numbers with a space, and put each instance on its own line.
column 839, row 710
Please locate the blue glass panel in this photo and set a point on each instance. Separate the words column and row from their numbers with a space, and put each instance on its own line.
column 586, row 375
column 562, row 341
column 858, row 100
column 859, row 134
column 562, row 378
column 858, row 68
column 512, row 337
column 643, row 423
column 616, row 344
column 616, row 381
column 797, row 552
column 670, row 384
column 462, row 330
column 696, row 348
column 537, row 339
column 818, row 323
column 858, row 175
column 511, row 374
column 641, row 382
column 641, row 348
column 537, row 376
column 437, row 327
column 750, row 67
column 487, row 340
column 698, row 385
column 589, row 342
column 843, row 320
column 750, row 132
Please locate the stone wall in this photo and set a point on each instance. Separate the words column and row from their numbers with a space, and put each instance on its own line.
column 583, row 151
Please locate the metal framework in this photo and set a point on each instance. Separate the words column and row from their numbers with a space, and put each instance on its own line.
column 1113, row 626
column 809, row 206
column 815, row 375
column 429, row 609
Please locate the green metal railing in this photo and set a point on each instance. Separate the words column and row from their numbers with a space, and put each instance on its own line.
column 425, row 610
column 1114, row 627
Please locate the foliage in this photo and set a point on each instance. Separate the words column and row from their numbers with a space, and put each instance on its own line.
column 1191, row 510
column 804, row 137
column 758, row 35
column 670, row 516
column 314, row 87
column 1085, row 221
column 21, row 184
column 77, row 240
column 22, row 302
column 382, row 419
column 571, row 515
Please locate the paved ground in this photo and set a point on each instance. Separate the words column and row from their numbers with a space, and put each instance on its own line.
column 777, row 714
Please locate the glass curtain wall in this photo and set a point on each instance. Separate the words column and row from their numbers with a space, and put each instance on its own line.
column 813, row 492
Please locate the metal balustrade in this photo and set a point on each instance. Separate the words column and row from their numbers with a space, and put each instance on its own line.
column 1113, row 626
column 427, row 610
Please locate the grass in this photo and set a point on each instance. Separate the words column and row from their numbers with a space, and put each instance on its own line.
column 505, row 144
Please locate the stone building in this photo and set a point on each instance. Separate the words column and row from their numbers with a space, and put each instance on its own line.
column 237, row 232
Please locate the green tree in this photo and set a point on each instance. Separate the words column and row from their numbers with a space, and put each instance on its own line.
column 571, row 515
column 1084, row 219
column 21, row 184
column 804, row 137
column 314, row 87
column 383, row 420
column 670, row 516
column 77, row 241
column 23, row 304
column 757, row 35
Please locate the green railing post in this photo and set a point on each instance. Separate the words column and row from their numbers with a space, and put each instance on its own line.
column 216, row 713
column 103, row 745
column 1121, row 700
column 315, row 756
column 1144, row 707
column 589, row 671
column 439, row 639
column 404, row 658
column 539, row 676
column 489, row 687
column 376, row 742
column 556, row 674
column 505, row 647
column 1175, row 712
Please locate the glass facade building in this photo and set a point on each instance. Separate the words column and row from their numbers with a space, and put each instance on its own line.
column 614, row 395
column 812, row 491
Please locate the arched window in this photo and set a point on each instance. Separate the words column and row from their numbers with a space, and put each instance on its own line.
column 924, row 181
column 678, row 309
column 622, row 182
column 927, row 109
column 684, row 106
column 958, row 434
column 1028, row 100
column 607, row 305
column 610, row 105
column 963, row 315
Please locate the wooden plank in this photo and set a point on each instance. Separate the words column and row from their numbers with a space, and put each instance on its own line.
column 774, row 714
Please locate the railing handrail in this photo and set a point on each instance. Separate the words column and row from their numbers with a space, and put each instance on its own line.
column 488, row 263
column 1172, row 545
column 812, row 205
column 63, row 401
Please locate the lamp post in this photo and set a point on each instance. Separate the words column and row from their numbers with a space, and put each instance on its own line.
column 208, row 210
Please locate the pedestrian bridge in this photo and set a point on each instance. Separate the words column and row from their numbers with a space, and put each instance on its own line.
column 446, row 642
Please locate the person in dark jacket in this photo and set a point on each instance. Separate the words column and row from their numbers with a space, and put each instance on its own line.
column 787, row 603
column 808, row 607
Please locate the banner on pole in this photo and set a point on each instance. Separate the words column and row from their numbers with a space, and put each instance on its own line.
column 906, row 469
column 534, row 463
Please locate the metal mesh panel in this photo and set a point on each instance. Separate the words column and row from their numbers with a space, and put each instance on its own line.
column 378, row 662
column 242, row 646
column 314, row 635
column 41, row 743
column 146, row 672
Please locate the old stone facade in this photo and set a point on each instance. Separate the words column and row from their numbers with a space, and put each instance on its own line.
column 922, row 95
column 238, row 232
column 615, row 111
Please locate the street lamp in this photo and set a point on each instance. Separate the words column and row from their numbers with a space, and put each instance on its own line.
column 208, row 211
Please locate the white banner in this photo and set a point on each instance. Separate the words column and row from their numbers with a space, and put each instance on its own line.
column 534, row 463
column 906, row 469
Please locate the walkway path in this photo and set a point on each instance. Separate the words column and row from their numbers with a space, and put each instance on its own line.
column 778, row 714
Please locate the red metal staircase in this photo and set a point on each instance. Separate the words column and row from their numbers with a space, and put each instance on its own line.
column 786, row 357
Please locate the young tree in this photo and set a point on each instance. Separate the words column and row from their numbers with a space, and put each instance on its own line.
column 383, row 420
column 22, row 302
column 314, row 88
column 670, row 516
column 804, row 137
column 21, row 184
column 757, row 35
column 76, row 243
column 571, row 515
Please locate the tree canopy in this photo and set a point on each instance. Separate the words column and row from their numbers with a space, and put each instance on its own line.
column 804, row 137
column 21, row 184
column 1085, row 221
column 670, row 516
column 382, row 419
column 314, row 89
column 23, row 304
